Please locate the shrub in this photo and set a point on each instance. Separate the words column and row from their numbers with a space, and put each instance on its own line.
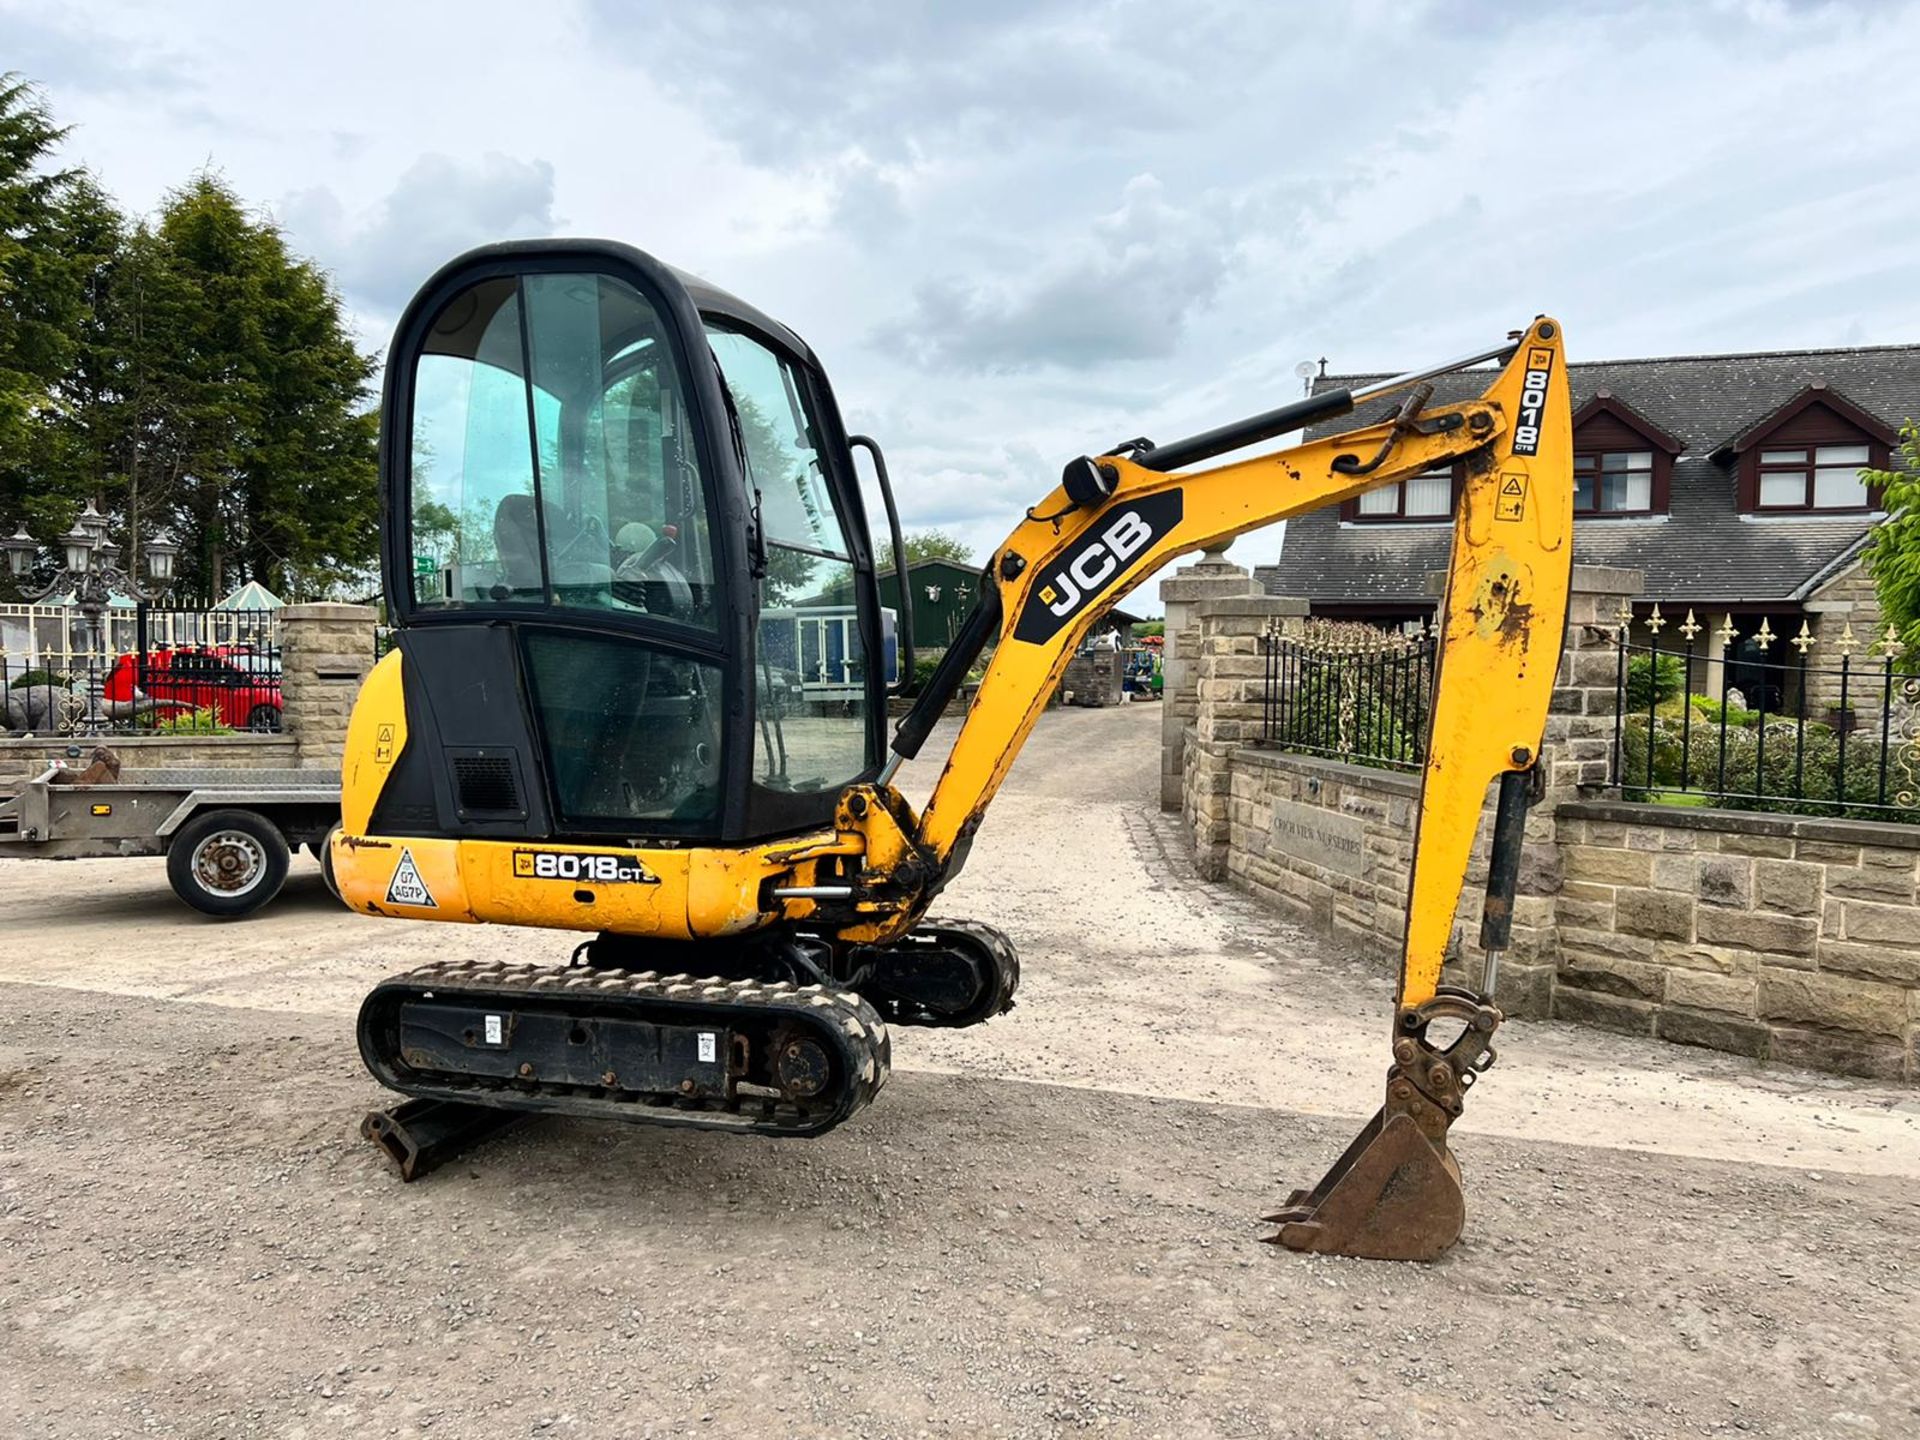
column 1779, row 769
column 1653, row 678
column 49, row 678
column 924, row 665
column 191, row 722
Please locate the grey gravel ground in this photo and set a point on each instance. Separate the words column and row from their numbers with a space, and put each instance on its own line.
column 1044, row 1227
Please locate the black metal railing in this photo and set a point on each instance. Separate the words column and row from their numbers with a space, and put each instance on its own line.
column 187, row 672
column 1348, row 692
column 1751, row 721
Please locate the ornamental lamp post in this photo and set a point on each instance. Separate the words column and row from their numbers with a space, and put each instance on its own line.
column 160, row 551
column 92, row 576
column 21, row 548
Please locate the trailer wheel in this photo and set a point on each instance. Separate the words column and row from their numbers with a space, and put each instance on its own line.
column 227, row 863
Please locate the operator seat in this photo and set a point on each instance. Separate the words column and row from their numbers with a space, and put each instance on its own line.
column 575, row 556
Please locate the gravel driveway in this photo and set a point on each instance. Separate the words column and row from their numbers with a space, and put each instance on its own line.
column 1045, row 1226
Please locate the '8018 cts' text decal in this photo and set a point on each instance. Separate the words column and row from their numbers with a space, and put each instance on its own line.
column 570, row 865
column 1533, row 400
column 1068, row 585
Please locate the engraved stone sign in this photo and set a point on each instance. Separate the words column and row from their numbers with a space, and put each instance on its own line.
column 1320, row 837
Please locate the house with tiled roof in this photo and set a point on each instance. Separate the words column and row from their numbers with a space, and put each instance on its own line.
column 1732, row 482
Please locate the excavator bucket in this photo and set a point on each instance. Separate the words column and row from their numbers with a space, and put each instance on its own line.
column 1394, row 1195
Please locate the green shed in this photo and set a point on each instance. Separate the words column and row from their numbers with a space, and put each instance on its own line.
column 943, row 592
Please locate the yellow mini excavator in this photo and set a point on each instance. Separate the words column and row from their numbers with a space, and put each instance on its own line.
column 638, row 689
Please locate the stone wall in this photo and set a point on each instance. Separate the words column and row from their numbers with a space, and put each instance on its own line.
column 1329, row 843
column 22, row 759
column 1845, row 601
column 1213, row 577
column 1783, row 938
column 1095, row 678
column 1780, row 937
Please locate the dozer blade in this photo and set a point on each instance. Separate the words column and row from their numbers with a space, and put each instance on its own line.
column 1394, row 1195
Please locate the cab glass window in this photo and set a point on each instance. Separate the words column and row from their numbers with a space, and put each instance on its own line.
column 553, row 461
column 810, row 665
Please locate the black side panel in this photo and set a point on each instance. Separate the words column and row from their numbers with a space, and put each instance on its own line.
column 462, row 688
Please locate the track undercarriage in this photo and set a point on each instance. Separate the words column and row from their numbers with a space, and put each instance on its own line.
column 784, row 1039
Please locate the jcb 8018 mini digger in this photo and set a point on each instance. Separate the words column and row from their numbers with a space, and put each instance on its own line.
column 638, row 689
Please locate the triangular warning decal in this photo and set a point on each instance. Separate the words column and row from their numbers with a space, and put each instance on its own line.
column 407, row 888
column 1514, row 486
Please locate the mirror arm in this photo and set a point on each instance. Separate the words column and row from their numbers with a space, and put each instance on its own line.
column 872, row 447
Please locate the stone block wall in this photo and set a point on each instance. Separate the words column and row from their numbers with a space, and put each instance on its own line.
column 23, row 758
column 1343, row 869
column 1789, row 939
column 1095, row 678
column 1213, row 577
column 325, row 652
column 1229, row 681
column 1845, row 601
column 1779, row 937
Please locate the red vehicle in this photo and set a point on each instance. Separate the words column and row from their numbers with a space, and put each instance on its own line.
column 238, row 683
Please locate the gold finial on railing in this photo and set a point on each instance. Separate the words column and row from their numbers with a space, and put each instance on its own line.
column 1848, row 640
column 1655, row 621
column 1690, row 627
column 1622, row 618
column 1726, row 634
column 1890, row 647
column 1765, row 634
column 1804, row 641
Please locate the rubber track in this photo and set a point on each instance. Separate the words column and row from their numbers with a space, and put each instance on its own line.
column 990, row 940
column 867, row 1049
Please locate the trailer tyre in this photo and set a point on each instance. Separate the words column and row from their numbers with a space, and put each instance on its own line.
column 227, row 863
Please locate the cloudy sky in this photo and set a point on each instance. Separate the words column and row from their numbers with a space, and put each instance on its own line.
column 1019, row 231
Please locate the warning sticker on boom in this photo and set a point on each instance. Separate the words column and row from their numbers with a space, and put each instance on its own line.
column 1512, row 504
column 407, row 888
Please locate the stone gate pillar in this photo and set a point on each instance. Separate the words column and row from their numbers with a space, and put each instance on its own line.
column 1213, row 577
column 1230, row 689
column 325, row 652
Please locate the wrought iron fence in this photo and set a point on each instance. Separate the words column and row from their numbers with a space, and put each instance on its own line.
column 1723, row 722
column 1348, row 692
column 183, row 672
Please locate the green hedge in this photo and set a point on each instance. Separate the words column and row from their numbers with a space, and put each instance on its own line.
column 1780, row 770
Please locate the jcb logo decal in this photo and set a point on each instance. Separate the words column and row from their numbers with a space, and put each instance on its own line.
column 1091, row 566
column 566, row 865
column 1533, row 401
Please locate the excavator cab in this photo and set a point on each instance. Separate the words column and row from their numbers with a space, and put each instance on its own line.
column 627, row 557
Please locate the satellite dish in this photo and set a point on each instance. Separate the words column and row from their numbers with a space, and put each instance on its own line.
column 1304, row 370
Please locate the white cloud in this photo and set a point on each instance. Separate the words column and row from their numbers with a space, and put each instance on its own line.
column 948, row 200
column 438, row 208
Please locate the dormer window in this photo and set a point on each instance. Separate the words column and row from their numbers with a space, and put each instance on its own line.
column 1806, row 457
column 1622, row 461
column 1813, row 477
column 1613, row 482
column 1428, row 496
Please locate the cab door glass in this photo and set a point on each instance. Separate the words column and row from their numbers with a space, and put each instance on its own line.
column 472, row 454
column 810, row 664
column 554, row 461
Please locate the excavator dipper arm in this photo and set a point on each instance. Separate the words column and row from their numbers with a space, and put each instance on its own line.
column 1117, row 519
